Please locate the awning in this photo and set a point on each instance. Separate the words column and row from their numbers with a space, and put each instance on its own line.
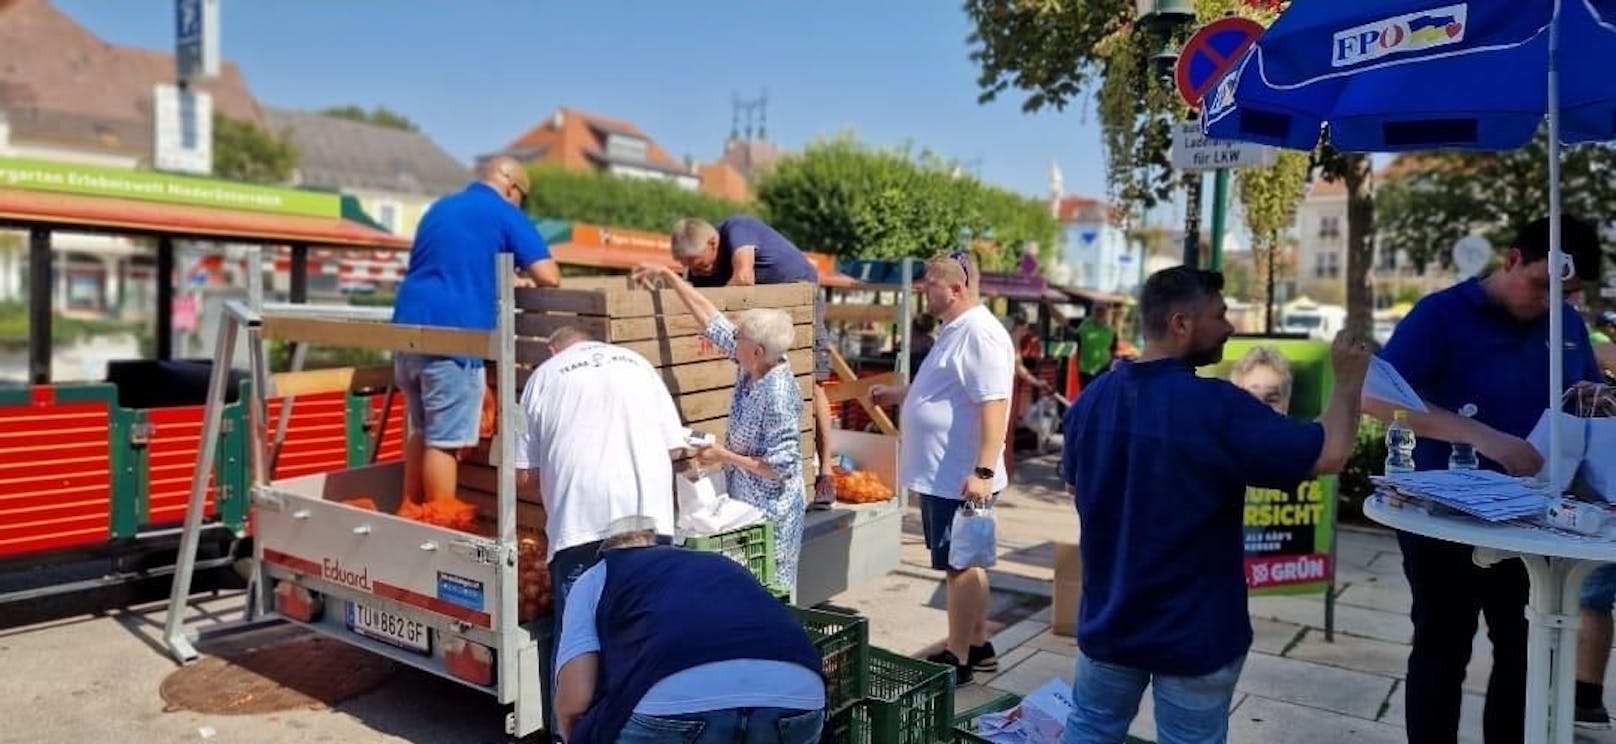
column 76, row 212
column 1096, row 297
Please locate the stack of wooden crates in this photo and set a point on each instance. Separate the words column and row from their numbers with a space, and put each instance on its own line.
column 656, row 325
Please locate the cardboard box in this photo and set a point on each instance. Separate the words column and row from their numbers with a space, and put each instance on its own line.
column 1068, row 589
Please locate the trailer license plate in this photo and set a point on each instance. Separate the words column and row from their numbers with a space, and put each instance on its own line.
column 389, row 628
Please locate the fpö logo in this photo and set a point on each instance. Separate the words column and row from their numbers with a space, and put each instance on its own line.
column 1405, row 33
column 333, row 570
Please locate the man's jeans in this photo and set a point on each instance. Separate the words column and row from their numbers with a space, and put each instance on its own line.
column 731, row 726
column 1189, row 710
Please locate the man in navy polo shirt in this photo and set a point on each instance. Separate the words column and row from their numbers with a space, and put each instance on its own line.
column 1482, row 342
column 451, row 283
column 1159, row 460
column 742, row 251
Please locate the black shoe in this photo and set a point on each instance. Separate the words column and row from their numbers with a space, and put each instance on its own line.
column 1592, row 719
column 962, row 672
column 984, row 659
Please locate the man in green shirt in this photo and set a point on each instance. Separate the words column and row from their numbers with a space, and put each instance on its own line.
column 1096, row 344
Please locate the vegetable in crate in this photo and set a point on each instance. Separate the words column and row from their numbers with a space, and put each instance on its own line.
column 860, row 487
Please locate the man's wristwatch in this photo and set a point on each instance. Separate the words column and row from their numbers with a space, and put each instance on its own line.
column 984, row 473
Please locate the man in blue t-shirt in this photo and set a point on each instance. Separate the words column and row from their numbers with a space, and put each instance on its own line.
column 741, row 252
column 1482, row 342
column 1158, row 460
column 451, row 283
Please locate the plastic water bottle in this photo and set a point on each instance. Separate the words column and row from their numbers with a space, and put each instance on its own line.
column 1399, row 444
column 1464, row 455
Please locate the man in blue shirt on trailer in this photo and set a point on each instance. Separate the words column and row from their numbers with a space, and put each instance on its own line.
column 1158, row 459
column 451, row 283
column 1482, row 342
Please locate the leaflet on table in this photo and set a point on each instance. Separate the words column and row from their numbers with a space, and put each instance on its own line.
column 1492, row 496
column 1383, row 383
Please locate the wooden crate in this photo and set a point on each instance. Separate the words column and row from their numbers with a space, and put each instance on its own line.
column 656, row 325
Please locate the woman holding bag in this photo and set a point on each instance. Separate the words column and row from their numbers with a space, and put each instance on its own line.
column 762, row 449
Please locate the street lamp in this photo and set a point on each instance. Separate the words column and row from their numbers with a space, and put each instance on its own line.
column 1164, row 15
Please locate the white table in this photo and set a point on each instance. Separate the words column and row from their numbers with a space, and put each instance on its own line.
column 1556, row 565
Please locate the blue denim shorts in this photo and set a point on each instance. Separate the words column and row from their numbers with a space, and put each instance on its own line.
column 444, row 397
column 1599, row 589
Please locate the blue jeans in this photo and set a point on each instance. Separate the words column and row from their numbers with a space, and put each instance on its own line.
column 1599, row 590
column 1189, row 710
column 730, row 726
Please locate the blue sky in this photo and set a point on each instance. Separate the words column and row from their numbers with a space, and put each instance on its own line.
column 477, row 73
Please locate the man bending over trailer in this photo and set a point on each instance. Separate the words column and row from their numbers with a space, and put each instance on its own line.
column 451, row 282
column 742, row 251
column 744, row 671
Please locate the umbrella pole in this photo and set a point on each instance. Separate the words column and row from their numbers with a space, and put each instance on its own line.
column 1556, row 259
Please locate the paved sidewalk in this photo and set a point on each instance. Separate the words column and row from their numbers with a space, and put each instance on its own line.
column 1296, row 686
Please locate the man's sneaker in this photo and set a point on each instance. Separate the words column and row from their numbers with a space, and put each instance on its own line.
column 1592, row 719
column 962, row 672
column 984, row 659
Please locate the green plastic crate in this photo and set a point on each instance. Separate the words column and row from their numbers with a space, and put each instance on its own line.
column 910, row 701
column 844, row 647
column 752, row 547
column 965, row 723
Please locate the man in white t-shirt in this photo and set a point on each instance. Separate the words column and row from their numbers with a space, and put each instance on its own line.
column 951, row 449
column 600, row 435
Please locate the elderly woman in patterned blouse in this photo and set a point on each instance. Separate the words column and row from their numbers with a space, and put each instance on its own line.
column 762, row 451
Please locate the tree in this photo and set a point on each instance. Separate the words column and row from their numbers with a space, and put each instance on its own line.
column 1057, row 50
column 631, row 203
column 244, row 152
column 1436, row 199
column 380, row 116
column 850, row 200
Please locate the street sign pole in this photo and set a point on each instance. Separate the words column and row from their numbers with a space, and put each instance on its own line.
column 1220, row 212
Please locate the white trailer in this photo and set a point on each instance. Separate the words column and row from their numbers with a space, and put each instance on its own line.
column 434, row 598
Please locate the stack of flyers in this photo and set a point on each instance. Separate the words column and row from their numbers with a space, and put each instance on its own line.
column 1484, row 494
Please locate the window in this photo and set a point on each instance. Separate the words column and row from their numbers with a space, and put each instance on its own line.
column 387, row 214
column 1327, row 265
column 620, row 147
column 1330, row 227
column 1386, row 260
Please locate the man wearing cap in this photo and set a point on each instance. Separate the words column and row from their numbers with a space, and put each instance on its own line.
column 451, row 283
column 666, row 644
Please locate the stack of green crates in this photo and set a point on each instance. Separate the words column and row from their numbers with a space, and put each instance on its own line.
column 844, row 646
column 908, row 701
column 752, row 547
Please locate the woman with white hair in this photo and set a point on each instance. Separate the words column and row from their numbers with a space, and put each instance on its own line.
column 762, row 450
column 1266, row 374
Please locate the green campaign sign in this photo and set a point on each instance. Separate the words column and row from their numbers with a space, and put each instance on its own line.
column 90, row 180
column 1289, row 536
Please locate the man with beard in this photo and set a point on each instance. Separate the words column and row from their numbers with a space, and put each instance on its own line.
column 1159, row 460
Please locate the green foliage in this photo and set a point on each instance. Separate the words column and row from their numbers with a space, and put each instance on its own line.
column 854, row 201
column 324, row 357
column 1368, row 458
column 1445, row 196
column 64, row 329
column 630, row 203
column 244, row 152
column 380, row 116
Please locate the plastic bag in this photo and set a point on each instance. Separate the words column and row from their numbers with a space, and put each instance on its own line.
column 1573, row 446
column 973, row 542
